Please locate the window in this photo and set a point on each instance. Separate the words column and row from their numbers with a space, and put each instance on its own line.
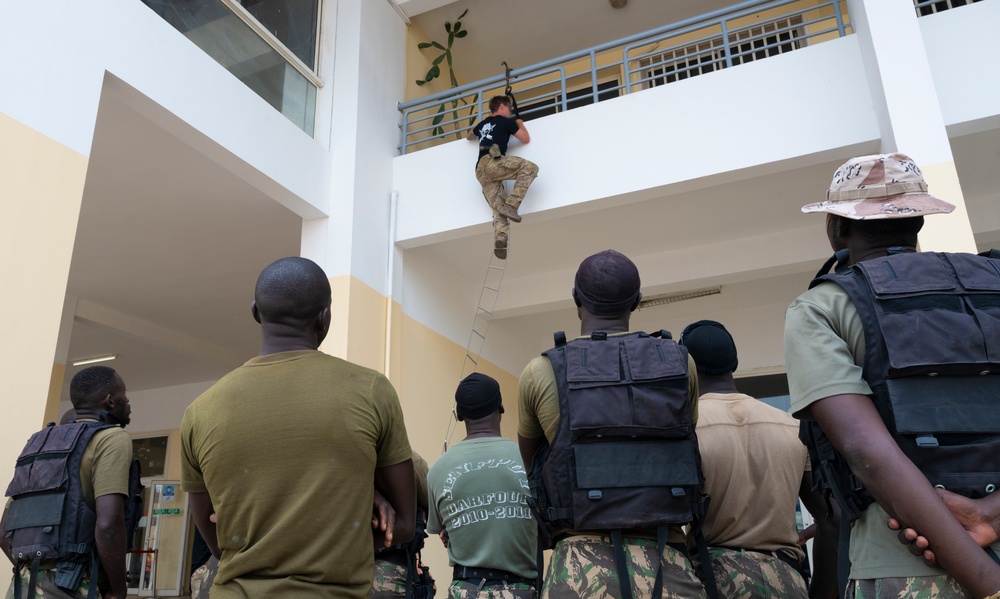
column 929, row 7
column 745, row 45
column 152, row 455
column 574, row 99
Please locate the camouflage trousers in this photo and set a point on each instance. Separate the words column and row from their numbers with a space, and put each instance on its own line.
column 45, row 586
column 464, row 589
column 585, row 566
column 916, row 587
column 390, row 580
column 752, row 575
column 492, row 172
column 203, row 577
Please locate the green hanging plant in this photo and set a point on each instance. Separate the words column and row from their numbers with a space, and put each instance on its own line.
column 454, row 32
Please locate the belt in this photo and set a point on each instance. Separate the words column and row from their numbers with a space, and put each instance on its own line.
column 490, row 576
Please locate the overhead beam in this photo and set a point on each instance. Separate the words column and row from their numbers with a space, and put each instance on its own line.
column 152, row 333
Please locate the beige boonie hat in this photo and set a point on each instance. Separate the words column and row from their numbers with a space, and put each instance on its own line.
column 879, row 186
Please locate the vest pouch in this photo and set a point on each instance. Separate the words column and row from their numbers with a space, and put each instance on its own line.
column 945, row 404
column 33, row 526
column 653, row 404
column 950, row 428
column 634, row 484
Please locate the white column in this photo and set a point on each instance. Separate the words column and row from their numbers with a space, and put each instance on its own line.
column 908, row 111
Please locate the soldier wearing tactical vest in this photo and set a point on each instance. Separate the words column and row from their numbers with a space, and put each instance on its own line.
column 897, row 360
column 103, row 456
column 588, row 561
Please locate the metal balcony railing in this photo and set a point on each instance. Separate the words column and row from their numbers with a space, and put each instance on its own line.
column 721, row 39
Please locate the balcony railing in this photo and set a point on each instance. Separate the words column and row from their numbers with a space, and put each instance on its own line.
column 721, row 39
column 930, row 7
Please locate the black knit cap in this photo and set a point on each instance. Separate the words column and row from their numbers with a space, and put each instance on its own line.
column 477, row 397
column 711, row 346
column 607, row 284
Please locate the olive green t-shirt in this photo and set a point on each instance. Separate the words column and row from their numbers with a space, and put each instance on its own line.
column 538, row 408
column 286, row 446
column 824, row 354
column 478, row 492
column 106, row 463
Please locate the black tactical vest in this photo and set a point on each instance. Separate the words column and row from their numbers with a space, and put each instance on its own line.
column 625, row 455
column 932, row 359
column 49, row 520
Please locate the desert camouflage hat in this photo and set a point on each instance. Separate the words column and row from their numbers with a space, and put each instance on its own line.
column 879, row 186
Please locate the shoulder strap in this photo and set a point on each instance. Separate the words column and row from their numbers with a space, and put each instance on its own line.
column 560, row 338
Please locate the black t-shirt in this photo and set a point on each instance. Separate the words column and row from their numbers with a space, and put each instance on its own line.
column 494, row 130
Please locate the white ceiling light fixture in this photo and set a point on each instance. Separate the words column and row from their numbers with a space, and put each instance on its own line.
column 94, row 360
column 670, row 298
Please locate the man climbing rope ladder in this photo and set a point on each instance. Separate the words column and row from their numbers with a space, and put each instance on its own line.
column 493, row 166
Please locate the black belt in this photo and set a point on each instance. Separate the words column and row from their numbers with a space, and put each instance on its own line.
column 394, row 556
column 791, row 561
column 477, row 574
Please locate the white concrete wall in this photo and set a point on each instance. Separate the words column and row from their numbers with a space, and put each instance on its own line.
column 58, row 53
column 369, row 58
column 959, row 43
column 796, row 104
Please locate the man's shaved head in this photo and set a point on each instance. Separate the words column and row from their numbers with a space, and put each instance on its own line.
column 291, row 291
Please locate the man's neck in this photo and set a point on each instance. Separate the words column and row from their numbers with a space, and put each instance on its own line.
column 481, row 430
column 276, row 339
column 862, row 253
column 716, row 384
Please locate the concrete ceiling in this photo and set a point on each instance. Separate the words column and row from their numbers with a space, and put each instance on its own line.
column 168, row 248
column 555, row 27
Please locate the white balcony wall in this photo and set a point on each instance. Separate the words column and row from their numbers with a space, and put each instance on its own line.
column 647, row 144
column 58, row 91
column 959, row 44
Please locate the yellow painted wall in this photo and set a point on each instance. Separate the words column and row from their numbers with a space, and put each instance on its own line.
column 55, row 390
column 41, row 188
column 946, row 232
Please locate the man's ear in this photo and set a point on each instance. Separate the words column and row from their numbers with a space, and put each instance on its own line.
column 254, row 311
column 638, row 301
column 576, row 299
column 323, row 320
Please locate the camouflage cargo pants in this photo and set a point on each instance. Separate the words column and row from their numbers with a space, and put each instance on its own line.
column 492, row 172
column 464, row 589
column 203, row 577
column 752, row 575
column 45, row 586
column 584, row 566
column 390, row 580
column 918, row 587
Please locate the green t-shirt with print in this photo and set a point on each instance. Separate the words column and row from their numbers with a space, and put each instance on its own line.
column 478, row 491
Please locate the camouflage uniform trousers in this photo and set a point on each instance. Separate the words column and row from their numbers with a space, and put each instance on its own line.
column 585, row 566
column 915, row 587
column 492, row 172
column 390, row 580
column 465, row 589
column 203, row 578
column 45, row 586
column 753, row 575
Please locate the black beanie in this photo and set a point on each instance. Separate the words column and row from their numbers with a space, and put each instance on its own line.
column 477, row 396
column 711, row 346
column 607, row 284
